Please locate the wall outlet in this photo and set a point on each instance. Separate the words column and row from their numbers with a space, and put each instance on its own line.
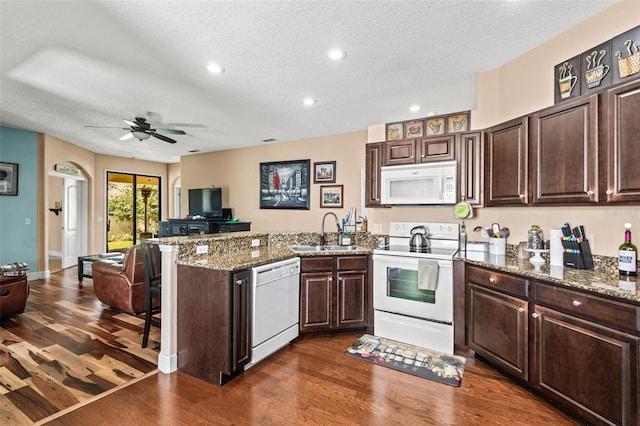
column 377, row 227
column 202, row 249
column 255, row 243
column 255, row 253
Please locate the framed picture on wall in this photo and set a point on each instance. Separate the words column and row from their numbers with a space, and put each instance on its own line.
column 458, row 122
column 8, row 179
column 331, row 196
column 285, row 185
column 414, row 129
column 436, row 126
column 395, row 131
column 324, row 172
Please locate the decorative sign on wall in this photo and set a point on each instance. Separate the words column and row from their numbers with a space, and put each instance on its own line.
column 67, row 169
column 601, row 66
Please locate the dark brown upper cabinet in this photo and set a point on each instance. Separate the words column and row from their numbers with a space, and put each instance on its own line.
column 564, row 152
column 506, row 160
column 401, row 152
column 623, row 143
column 470, row 153
column 374, row 159
column 437, row 148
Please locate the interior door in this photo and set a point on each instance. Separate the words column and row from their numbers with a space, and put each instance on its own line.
column 72, row 222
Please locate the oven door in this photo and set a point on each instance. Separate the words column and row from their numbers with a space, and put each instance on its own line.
column 395, row 288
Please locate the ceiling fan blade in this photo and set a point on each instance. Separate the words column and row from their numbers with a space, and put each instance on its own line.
column 163, row 138
column 170, row 131
column 131, row 123
column 127, row 136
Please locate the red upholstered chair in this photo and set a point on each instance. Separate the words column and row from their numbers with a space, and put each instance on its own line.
column 121, row 286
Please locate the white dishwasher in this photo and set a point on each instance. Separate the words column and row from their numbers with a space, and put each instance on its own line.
column 275, row 307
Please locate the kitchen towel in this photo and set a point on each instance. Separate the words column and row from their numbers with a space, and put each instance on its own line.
column 427, row 274
column 555, row 251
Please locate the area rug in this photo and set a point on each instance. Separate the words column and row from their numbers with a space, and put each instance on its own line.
column 415, row 360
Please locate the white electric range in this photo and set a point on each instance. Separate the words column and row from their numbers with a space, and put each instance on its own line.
column 413, row 289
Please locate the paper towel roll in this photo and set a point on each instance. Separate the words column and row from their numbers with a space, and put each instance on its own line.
column 555, row 251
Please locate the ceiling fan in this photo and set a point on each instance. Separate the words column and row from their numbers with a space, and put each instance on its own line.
column 141, row 130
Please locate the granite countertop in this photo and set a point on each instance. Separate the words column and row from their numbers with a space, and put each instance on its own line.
column 234, row 251
column 603, row 280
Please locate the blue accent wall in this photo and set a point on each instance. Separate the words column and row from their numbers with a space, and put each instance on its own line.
column 19, row 241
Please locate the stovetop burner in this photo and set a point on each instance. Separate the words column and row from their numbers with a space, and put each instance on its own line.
column 443, row 242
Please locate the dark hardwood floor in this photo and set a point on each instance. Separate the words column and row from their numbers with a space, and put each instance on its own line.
column 309, row 382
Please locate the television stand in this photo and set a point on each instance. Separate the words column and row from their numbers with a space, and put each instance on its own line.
column 181, row 227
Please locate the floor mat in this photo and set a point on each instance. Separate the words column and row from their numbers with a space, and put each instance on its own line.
column 441, row 367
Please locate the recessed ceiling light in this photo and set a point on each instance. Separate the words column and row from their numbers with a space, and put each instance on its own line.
column 215, row 69
column 431, row 114
column 414, row 108
column 337, row 54
column 309, row 101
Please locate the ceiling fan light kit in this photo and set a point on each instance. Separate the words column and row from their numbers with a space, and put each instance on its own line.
column 140, row 135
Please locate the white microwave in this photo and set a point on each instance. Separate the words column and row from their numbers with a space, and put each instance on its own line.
column 426, row 183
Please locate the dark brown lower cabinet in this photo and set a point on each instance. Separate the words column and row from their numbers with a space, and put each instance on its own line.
column 214, row 335
column 334, row 293
column 588, row 368
column 576, row 348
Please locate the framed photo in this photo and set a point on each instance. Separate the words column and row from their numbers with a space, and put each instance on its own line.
column 436, row 126
column 458, row 122
column 8, row 179
column 414, row 129
column 395, row 131
column 324, row 172
column 285, row 185
column 331, row 196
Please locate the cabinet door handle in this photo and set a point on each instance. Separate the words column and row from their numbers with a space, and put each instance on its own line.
column 520, row 310
column 590, row 192
column 576, row 303
column 609, row 192
column 535, row 315
column 492, row 279
column 521, row 196
column 239, row 282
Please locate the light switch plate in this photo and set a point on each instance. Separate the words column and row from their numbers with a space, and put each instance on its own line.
column 202, row 249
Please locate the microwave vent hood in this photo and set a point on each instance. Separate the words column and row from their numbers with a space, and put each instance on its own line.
column 419, row 184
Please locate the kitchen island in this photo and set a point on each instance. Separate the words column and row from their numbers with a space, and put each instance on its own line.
column 228, row 253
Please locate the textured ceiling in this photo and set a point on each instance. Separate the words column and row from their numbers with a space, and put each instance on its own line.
column 67, row 64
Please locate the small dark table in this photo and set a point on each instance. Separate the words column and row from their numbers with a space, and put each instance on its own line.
column 115, row 258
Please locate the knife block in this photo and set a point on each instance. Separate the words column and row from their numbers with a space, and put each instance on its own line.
column 577, row 253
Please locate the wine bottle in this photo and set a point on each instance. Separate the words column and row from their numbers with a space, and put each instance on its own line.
column 627, row 254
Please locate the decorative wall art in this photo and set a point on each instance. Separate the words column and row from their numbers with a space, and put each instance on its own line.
column 395, row 131
column 324, row 172
column 331, row 196
column 608, row 63
column 431, row 126
column 458, row 122
column 414, row 129
column 285, row 185
column 436, row 126
column 8, row 179
column 595, row 67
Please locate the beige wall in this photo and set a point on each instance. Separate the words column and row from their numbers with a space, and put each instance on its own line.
column 237, row 173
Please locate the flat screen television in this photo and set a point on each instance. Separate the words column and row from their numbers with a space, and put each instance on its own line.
column 205, row 202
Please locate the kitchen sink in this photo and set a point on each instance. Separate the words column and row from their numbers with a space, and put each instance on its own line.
column 324, row 248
